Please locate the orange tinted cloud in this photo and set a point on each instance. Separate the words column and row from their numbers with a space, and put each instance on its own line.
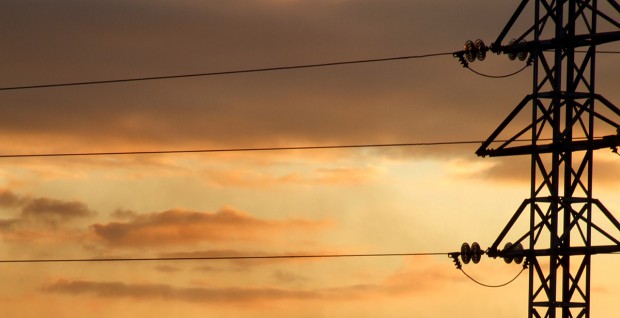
column 166, row 292
column 179, row 226
column 40, row 219
column 517, row 169
column 242, row 264
column 256, row 179
column 422, row 276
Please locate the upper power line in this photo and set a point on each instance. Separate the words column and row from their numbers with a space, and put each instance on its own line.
column 250, row 70
column 218, row 73
column 215, row 150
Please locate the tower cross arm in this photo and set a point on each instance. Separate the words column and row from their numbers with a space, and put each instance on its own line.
column 611, row 141
column 557, row 43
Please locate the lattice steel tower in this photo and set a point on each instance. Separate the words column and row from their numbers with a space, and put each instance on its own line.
column 561, row 225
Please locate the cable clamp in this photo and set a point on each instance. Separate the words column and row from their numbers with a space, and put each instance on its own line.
column 461, row 57
column 455, row 258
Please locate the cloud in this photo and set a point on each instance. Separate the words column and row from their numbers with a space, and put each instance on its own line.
column 41, row 219
column 41, row 212
column 607, row 171
column 167, row 292
column 245, row 264
column 9, row 199
column 517, row 170
column 176, row 227
column 420, row 277
column 54, row 211
column 511, row 170
column 323, row 176
column 288, row 277
column 167, row 269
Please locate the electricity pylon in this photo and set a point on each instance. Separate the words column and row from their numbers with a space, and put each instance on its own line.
column 561, row 225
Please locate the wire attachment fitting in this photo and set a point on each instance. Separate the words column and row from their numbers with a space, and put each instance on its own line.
column 614, row 148
column 455, row 258
column 461, row 57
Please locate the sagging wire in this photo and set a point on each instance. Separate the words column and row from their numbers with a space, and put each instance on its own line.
column 496, row 286
column 500, row 76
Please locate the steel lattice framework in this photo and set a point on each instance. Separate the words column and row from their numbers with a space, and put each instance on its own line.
column 565, row 224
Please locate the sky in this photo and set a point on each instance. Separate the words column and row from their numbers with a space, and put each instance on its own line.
column 337, row 201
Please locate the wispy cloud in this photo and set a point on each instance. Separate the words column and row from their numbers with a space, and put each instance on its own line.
column 411, row 279
column 244, row 264
column 179, row 226
column 287, row 277
column 323, row 176
column 167, row 292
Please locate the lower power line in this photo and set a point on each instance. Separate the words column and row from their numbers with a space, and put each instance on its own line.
column 209, row 258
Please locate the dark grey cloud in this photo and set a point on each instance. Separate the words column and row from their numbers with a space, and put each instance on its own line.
column 54, row 211
column 41, row 211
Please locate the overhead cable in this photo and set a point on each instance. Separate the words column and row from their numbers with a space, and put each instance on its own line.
column 494, row 286
column 499, row 76
column 219, row 73
column 241, row 71
column 210, row 258
column 116, row 153
column 597, row 52
column 216, row 150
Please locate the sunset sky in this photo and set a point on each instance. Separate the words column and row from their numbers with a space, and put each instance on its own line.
column 425, row 199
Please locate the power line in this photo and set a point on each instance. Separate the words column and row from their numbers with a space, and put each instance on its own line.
column 242, row 71
column 216, row 150
column 210, row 258
column 231, row 72
column 598, row 52
column 117, row 153
column 498, row 76
column 494, row 286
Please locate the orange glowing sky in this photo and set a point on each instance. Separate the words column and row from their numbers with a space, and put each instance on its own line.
column 381, row 200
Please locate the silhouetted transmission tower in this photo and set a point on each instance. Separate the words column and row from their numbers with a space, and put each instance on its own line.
column 561, row 225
